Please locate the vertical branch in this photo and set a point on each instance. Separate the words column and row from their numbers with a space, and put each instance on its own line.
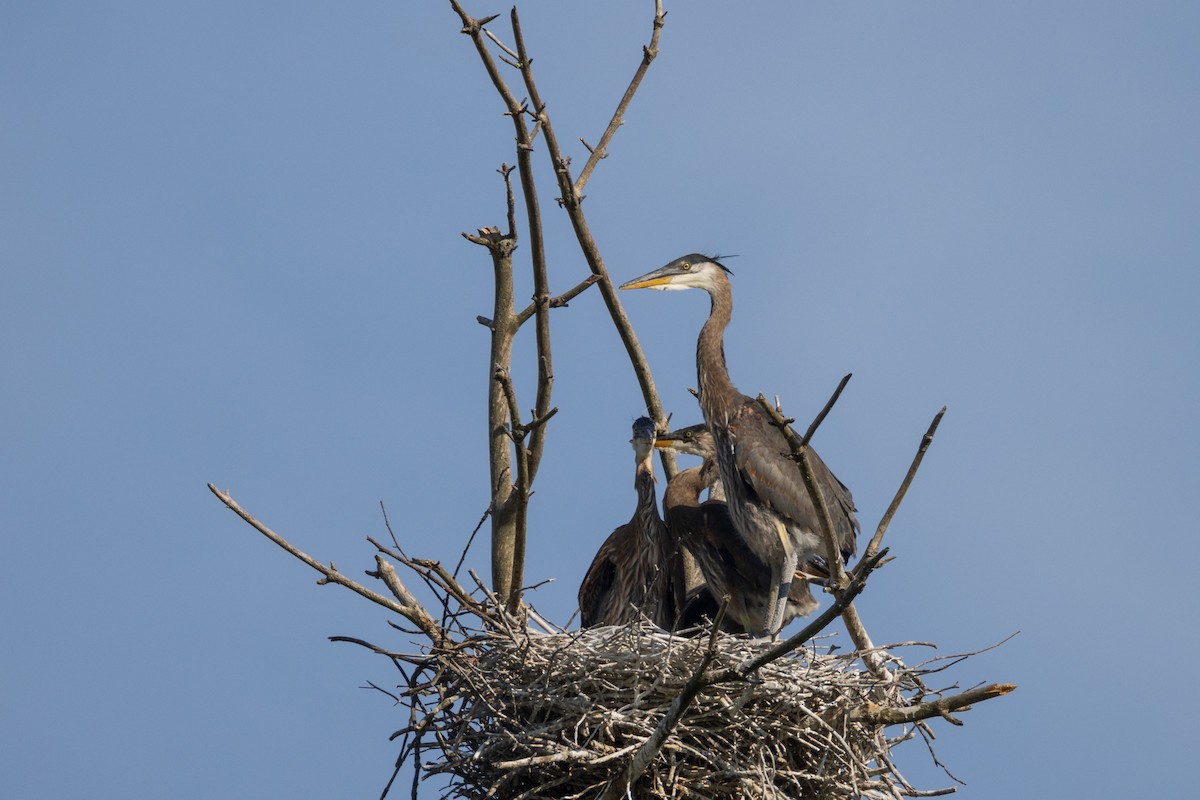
column 571, row 201
column 520, row 492
column 508, row 530
column 504, row 501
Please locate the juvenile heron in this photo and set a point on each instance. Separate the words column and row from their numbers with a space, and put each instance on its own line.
column 730, row 567
column 768, row 501
column 632, row 572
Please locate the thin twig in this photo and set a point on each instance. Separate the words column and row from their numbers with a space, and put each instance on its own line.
column 816, row 423
column 413, row 612
column 463, row 556
column 649, row 53
column 926, row 440
column 560, row 301
column 654, row 743
column 840, row 603
column 587, row 244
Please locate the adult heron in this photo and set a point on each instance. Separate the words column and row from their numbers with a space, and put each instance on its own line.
column 731, row 568
column 632, row 572
column 767, row 499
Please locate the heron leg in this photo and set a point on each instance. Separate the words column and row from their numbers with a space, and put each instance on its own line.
column 781, row 580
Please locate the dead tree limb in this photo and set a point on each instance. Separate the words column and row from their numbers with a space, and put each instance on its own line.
column 837, row 574
column 571, row 201
column 942, row 707
column 886, row 520
column 506, row 492
column 405, row 605
column 649, row 53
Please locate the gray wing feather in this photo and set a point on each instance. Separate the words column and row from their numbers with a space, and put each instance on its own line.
column 763, row 459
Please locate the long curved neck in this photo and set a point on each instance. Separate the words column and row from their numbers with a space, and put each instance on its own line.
column 646, row 515
column 684, row 489
column 717, row 392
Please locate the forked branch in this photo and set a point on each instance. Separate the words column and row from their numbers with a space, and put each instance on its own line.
column 942, row 707
column 799, row 447
column 572, row 202
column 405, row 604
column 649, row 53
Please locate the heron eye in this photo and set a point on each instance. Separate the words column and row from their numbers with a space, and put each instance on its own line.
column 685, row 266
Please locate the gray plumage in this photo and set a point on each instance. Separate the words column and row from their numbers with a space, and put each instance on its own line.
column 731, row 569
column 767, row 499
column 631, row 573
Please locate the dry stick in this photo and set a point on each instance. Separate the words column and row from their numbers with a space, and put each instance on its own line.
column 373, row 648
column 410, row 609
column 507, row 537
column 387, row 573
column 926, row 440
column 658, row 737
column 839, row 604
column 837, row 578
column 837, row 574
column 541, row 304
column 528, row 458
column 884, row 715
column 816, row 423
column 649, row 53
column 854, row 623
column 541, row 294
column 571, row 201
column 470, row 539
column 561, row 301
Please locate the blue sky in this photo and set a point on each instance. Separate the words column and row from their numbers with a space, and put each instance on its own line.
column 229, row 236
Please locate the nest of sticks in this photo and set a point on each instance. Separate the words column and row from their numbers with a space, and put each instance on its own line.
column 509, row 711
column 566, row 715
column 509, row 706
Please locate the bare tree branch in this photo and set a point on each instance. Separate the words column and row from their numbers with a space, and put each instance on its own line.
column 837, row 573
column 410, row 610
column 880, row 715
column 926, row 440
column 509, row 529
column 649, row 52
column 520, row 492
column 505, row 501
column 560, row 301
column 570, row 200
column 822, row 621
column 799, row 447
column 816, row 423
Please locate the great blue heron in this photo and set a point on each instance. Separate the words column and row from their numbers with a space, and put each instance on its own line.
column 768, row 501
column 730, row 567
column 632, row 573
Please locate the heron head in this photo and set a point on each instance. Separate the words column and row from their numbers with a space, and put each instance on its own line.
column 643, row 435
column 693, row 271
column 694, row 440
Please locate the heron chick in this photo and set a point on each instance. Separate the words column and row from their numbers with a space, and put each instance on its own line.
column 631, row 573
column 731, row 568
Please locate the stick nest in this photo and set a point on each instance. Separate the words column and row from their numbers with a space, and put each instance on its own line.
column 518, row 713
